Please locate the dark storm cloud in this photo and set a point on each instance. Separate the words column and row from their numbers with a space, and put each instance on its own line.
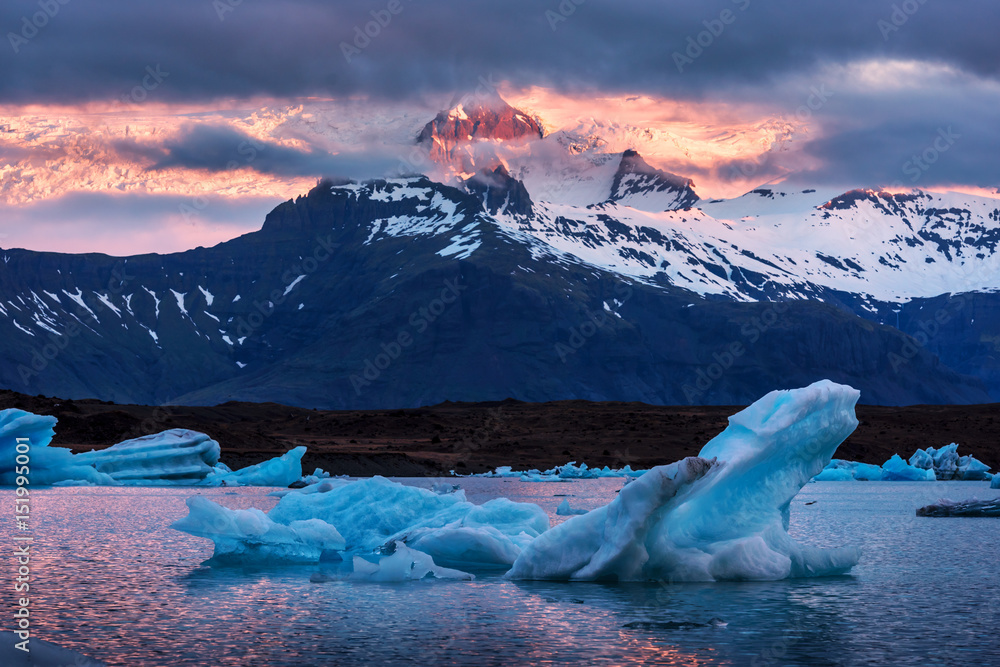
column 226, row 48
column 217, row 148
column 941, row 134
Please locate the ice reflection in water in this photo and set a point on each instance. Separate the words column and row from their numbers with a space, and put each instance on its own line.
column 113, row 581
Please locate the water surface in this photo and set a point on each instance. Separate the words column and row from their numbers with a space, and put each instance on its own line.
column 114, row 581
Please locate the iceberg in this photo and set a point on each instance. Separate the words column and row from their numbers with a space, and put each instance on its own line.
column 176, row 456
column 995, row 484
column 372, row 514
column 898, row 470
column 280, row 471
column 46, row 465
column 974, row 507
column 565, row 510
column 722, row 515
column 925, row 465
column 948, row 465
column 839, row 470
column 568, row 471
column 404, row 564
column 249, row 536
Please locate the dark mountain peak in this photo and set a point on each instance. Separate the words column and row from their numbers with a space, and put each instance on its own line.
column 500, row 192
column 352, row 205
column 637, row 180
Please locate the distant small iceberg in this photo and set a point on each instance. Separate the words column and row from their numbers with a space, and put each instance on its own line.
column 176, row 457
column 568, row 471
column 973, row 508
column 926, row 465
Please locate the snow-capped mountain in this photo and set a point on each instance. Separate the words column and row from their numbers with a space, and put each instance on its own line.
column 408, row 292
column 535, row 274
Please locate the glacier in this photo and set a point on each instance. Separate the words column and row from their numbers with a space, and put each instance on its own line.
column 176, row 457
column 722, row 515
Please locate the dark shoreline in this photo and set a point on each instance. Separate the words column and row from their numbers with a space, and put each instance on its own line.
column 475, row 437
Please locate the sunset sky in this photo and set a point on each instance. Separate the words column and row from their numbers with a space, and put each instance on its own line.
column 148, row 126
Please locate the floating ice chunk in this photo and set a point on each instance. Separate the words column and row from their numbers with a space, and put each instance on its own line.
column 898, row 470
column 947, row 464
column 372, row 512
column 404, row 564
column 47, row 465
column 176, row 456
column 995, row 484
column 279, row 471
column 972, row 469
column 722, row 519
column 834, row 475
column 250, row 536
column 442, row 488
column 564, row 472
column 839, row 470
column 316, row 477
column 974, row 507
column 565, row 510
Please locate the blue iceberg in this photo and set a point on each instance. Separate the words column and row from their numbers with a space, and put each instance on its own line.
column 176, row 457
column 722, row 515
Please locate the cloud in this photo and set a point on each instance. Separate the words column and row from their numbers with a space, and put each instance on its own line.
column 288, row 48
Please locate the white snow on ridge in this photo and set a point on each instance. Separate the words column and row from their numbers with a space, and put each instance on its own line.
column 790, row 243
column 156, row 301
column 292, row 285
column 209, row 297
column 180, row 301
